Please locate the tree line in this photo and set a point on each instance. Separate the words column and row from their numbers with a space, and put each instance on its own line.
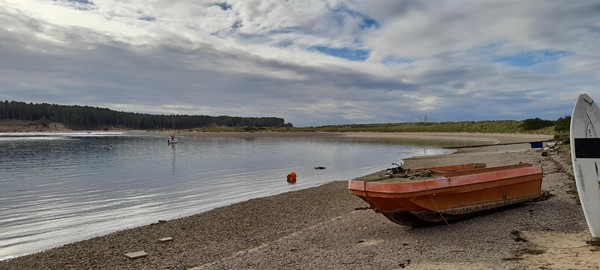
column 86, row 117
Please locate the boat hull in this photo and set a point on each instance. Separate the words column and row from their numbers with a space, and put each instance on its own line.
column 452, row 196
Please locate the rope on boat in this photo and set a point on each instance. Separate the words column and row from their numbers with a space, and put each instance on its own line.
column 436, row 207
column 367, row 195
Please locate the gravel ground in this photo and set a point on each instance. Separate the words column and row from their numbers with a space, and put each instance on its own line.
column 320, row 228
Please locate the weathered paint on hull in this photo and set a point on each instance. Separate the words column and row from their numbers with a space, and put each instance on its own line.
column 453, row 196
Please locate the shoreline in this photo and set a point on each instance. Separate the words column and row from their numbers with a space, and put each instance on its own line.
column 459, row 136
column 21, row 126
column 320, row 228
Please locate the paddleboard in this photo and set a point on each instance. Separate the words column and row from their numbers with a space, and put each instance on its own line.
column 585, row 152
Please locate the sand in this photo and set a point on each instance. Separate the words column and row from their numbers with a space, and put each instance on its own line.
column 321, row 228
column 11, row 125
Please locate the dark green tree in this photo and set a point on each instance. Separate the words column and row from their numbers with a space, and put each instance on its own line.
column 86, row 117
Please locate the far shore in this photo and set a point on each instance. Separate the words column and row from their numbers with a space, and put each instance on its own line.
column 491, row 138
column 9, row 126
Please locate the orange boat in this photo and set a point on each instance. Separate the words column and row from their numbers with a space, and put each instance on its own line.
column 440, row 194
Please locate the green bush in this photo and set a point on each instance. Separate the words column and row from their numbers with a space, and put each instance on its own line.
column 536, row 123
column 563, row 124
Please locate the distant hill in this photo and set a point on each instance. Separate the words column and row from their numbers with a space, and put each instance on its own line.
column 86, row 117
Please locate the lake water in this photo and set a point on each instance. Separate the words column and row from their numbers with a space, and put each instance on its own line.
column 61, row 188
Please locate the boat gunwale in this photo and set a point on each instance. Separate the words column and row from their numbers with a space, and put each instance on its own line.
column 438, row 173
column 446, row 184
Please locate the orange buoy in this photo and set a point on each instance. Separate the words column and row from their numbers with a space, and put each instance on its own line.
column 291, row 178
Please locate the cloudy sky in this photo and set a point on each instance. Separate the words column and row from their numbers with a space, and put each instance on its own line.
column 312, row 62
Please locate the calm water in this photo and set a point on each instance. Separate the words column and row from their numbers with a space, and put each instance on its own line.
column 60, row 189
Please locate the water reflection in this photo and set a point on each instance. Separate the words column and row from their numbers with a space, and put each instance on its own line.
column 56, row 190
column 174, row 151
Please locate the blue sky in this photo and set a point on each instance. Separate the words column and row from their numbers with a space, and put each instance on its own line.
column 530, row 58
column 310, row 62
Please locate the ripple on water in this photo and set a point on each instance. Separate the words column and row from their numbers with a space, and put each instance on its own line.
column 60, row 189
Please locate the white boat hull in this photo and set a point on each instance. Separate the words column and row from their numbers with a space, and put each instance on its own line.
column 585, row 152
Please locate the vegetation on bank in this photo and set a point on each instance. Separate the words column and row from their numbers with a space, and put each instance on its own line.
column 559, row 128
column 85, row 117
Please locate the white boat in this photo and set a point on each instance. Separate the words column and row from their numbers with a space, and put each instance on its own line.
column 585, row 145
column 173, row 140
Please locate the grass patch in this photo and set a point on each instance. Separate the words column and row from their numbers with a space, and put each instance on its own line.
column 498, row 126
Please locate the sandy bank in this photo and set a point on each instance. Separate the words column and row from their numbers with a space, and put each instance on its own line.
column 480, row 137
column 319, row 228
column 11, row 125
column 490, row 138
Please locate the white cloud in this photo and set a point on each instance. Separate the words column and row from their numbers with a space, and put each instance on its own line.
column 456, row 60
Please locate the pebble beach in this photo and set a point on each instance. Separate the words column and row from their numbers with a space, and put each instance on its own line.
column 327, row 228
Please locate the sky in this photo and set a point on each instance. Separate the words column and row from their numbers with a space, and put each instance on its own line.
column 310, row 62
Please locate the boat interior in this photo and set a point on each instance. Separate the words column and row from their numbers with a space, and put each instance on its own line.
column 420, row 174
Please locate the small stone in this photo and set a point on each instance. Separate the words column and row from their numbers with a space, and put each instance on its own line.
column 166, row 239
column 136, row 254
